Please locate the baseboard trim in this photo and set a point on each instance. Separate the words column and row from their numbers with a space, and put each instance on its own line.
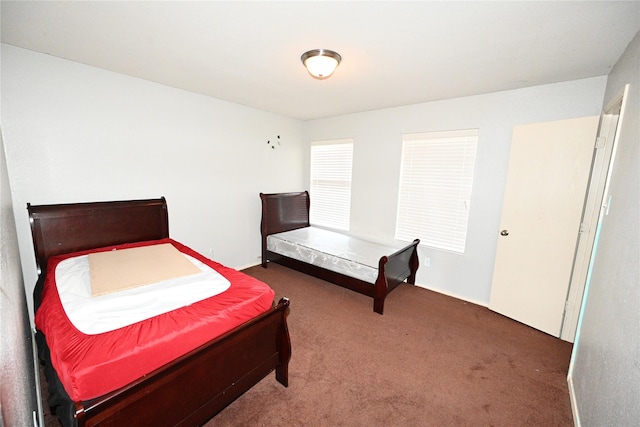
column 452, row 295
column 38, row 418
column 574, row 406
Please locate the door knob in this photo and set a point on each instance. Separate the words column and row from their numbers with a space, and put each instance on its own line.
column 504, row 233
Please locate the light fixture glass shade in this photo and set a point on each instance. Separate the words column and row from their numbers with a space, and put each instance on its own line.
column 321, row 63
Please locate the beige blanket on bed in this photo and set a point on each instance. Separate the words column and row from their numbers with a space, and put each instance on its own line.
column 122, row 269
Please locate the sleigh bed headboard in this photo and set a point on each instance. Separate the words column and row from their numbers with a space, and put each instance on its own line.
column 284, row 212
column 65, row 228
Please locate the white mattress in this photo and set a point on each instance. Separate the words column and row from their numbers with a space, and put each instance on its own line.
column 334, row 251
column 98, row 314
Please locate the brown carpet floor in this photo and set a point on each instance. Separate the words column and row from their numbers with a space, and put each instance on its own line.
column 430, row 360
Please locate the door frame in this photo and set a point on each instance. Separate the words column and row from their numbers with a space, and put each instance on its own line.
column 595, row 206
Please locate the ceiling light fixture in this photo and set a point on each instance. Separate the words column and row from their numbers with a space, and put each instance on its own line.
column 321, row 63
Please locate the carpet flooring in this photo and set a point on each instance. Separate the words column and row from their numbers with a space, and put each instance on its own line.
column 430, row 360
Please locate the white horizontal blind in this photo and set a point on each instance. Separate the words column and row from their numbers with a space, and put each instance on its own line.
column 330, row 190
column 436, row 179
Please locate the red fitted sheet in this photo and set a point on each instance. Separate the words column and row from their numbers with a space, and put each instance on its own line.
column 90, row 366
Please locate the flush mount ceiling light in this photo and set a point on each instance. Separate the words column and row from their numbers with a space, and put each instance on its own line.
column 321, row 63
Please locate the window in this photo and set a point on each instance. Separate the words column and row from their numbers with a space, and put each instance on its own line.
column 436, row 178
column 331, row 183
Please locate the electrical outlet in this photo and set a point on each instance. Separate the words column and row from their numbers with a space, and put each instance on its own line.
column 210, row 253
column 427, row 262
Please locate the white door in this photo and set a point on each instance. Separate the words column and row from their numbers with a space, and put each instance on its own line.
column 546, row 186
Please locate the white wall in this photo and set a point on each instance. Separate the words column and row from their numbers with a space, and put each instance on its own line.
column 75, row 133
column 376, row 168
column 605, row 368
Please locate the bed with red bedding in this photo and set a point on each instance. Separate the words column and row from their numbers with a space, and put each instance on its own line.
column 179, row 367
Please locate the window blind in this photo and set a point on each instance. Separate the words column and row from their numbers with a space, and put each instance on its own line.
column 436, row 180
column 331, row 183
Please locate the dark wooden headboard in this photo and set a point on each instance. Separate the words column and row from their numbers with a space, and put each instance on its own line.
column 72, row 227
column 284, row 212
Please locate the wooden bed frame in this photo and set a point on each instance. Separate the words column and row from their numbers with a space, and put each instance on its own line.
column 289, row 211
column 191, row 389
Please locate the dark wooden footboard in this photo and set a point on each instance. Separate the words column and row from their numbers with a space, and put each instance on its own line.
column 392, row 270
column 289, row 211
column 192, row 389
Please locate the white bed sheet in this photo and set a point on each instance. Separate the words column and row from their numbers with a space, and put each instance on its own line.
column 334, row 251
column 95, row 315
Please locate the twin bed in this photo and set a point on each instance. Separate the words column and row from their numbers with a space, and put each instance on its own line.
column 366, row 267
column 180, row 367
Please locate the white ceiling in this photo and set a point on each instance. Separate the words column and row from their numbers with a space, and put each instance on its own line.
column 394, row 52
